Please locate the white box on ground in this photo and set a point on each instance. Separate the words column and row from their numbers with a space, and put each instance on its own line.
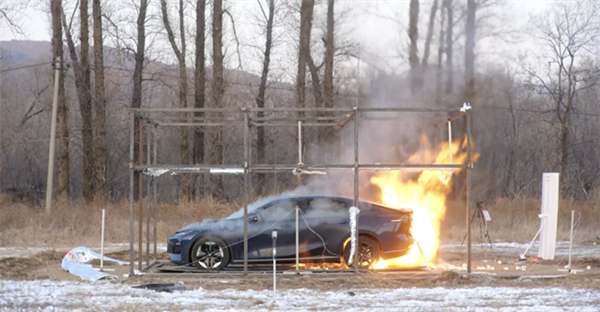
column 549, row 215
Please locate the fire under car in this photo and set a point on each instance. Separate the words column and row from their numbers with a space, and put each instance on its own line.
column 323, row 228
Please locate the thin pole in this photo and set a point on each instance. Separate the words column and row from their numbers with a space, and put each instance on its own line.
column 356, row 184
column 450, row 139
column 274, row 236
column 469, row 116
column 141, row 193
column 131, row 190
column 299, row 142
column 297, row 243
column 148, row 196
column 102, row 243
column 154, row 192
column 246, row 152
column 50, row 175
column 571, row 239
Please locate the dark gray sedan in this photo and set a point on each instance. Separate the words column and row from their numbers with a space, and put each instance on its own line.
column 324, row 232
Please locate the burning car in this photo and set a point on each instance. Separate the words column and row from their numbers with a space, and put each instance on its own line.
column 324, row 234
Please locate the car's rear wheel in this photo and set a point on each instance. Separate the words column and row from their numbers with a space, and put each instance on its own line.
column 210, row 253
column 368, row 253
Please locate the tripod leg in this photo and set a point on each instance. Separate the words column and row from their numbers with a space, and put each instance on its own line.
column 465, row 237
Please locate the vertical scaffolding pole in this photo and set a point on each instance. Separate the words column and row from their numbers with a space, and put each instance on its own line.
column 50, row 174
column 450, row 139
column 246, row 152
column 356, row 252
column 469, row 164
column 154, row 195
column 131, row 189
column 148, row 195
column 141, row 193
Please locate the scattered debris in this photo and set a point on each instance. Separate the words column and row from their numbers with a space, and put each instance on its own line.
column 170, row 287
column 79, row 262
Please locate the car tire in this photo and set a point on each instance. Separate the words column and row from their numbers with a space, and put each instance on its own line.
column 369, row 253
column 210, row 253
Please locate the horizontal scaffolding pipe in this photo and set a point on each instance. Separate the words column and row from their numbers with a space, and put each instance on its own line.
column 292, row 124
column 292, row 109
column 200, row 124
column 453, row 118
column 184, row 110
column 186, row 168
column 296, row 119
column 194, row 118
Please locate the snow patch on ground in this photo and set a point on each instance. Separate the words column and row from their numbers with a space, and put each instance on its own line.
column 515, row 249
column 47, row 295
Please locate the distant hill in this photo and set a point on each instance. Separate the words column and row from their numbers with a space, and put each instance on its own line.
column 17, row 53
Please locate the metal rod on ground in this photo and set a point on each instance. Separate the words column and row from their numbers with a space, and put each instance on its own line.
column 450, row 139
column 571, row 238
column 246, row 148
column 148, row 196
column 154, row 195
column 274, row 236
column 297, row 243
column 469, row 116
column 102, row 243
column 50, row 175
column 131, row 189
column 141, row 193
column 356, row 260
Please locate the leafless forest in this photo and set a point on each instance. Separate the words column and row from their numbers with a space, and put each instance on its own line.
column 540, row 116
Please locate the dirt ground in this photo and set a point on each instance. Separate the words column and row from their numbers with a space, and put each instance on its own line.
column 448, row 273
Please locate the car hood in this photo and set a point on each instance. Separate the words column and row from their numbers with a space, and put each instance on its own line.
column 206, row 225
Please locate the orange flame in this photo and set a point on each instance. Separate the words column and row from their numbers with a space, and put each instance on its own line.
column 425, row 195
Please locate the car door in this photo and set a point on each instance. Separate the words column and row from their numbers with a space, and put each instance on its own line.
column 327, row 217
column 278, row 215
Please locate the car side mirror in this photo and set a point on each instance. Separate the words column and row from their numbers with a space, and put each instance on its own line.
column 253, row 218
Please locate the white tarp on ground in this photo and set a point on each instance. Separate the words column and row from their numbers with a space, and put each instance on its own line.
column 79, row 262
column 50, row 295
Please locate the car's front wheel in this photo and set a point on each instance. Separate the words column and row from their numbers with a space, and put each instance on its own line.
column 368, row 253
column 210, row 253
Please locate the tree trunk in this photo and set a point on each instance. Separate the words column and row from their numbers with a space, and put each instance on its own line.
column 199, row 82
column 180, row 54
column 564, row 159
column 306, row 12
column 62, row 119
column 101, row 157
column 429, row 35
column 85, row 105
column 440, row 56
column 470, row 52
column 260, row 99
column 136, row 96
column 449, row 46
column 413, row 52
column 218, row 90
column 328, row 83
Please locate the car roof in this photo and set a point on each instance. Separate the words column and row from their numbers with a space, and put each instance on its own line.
column 346, row 199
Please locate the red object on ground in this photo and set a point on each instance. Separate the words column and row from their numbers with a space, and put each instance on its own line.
column 534, row 258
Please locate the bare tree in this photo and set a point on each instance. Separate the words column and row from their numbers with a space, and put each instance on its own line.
column 306, row 12
column 218, row 91
column 429, row 35
column 100, row 153
column 449, row 45
column 180, row 54
column 470, row 52
column 84, row 95
column 62, row 117
column 262, row 89
column 136, row 96
column 569, row 33
column 413, row 52
column 329, row 54
column 199, row 79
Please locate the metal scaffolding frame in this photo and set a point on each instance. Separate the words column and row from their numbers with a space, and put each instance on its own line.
column 242, row 118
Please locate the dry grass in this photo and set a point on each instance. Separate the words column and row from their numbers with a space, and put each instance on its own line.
column 516, row 220
column 77, row 223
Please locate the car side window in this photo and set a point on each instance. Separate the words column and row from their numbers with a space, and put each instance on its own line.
column 278, row 210
column 327, row 208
